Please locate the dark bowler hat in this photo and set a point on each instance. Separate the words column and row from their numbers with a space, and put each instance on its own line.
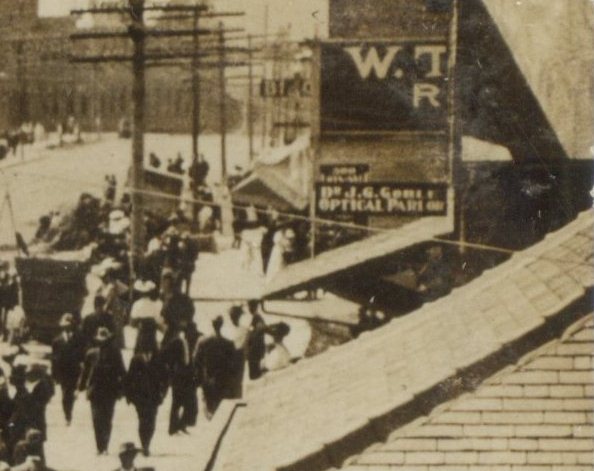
column 127, row 448
column 217, row 322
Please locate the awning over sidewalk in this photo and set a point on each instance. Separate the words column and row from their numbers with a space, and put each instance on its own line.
column 315, row 272
column 269, row 185
column 280, row 178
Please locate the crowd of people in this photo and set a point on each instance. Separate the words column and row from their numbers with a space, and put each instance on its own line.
column 170, row 354
column 268, row 241
column 30, row 132
column 27, row 133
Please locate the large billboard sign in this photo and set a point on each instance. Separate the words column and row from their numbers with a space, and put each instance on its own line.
column 388, row 86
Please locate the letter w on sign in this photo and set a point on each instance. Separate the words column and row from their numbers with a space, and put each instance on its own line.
column 372, row 62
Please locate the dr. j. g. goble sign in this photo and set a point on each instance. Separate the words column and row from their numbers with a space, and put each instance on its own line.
column 381, row 199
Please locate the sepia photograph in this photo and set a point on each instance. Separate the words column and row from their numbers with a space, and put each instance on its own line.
column 296, row 235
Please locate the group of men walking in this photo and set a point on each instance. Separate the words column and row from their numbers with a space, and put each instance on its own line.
column 88, row 358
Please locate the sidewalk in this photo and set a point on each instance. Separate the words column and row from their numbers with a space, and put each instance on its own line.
column 73, row 448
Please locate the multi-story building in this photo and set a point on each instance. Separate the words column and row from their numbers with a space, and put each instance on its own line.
column 38, row 82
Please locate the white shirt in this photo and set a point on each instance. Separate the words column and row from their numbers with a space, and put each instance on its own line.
column 146, row 308
column 237, row 334
column 277, row 359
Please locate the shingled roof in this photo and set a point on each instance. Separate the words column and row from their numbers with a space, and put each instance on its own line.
column 322, row 411
column 534, row 415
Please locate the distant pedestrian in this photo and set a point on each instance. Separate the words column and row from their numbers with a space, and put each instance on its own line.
column 33, row 391
column 189, row 249
column 177, row 354
column 178, row 308
column 154, row 161
column 20, row 418
column 238, row 334
column 114, row 291
column 148, row 306
column 109, row 193
column 255, row 346
column 277, row 357
column 40, row 390
column 6, row 411
column 67, row 356
column 99, row 318
column 146, row 383
column 127, row 455
column 30, row 445
column 193, row 336
column 215, row 367
column 102, row 377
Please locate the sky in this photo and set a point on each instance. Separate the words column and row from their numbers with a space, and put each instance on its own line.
column 306, row 17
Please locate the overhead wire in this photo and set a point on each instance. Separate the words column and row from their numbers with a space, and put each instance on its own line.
column 316, row 220
column 470, row 245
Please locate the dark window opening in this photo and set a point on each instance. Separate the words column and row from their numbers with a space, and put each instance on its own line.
column 438, row 6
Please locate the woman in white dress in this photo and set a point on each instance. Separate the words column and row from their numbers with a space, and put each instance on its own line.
column 277, row 259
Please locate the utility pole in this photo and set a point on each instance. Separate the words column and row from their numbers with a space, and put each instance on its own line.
column 23, row 101
column 250, row 110
column 454, row 133
column 222, row 104
column 137, row 35
column 196, row 89
column 265, row 100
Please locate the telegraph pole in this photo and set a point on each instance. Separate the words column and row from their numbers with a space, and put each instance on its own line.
column 137, row 35
column 196, row 89
column 250, row 110
column 222, row 104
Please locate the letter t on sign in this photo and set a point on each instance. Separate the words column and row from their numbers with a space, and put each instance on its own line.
column 435, row 52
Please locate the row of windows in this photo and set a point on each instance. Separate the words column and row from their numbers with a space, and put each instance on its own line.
column 54, row 102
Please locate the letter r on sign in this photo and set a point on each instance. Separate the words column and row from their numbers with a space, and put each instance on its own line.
column 426, row 91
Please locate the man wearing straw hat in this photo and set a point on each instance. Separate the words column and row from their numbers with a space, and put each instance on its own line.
column 127, row 455
column 102, row 377
column 67, row 357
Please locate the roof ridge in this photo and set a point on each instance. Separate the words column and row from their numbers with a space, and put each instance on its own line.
column 416, row 363
column 456, row 296
column 405, row 431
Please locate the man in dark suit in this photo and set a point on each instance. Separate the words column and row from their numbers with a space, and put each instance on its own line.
column 177, row 354
column 178, row 308
column 215, row 368
column 255, row 346
column 34, row 389
column 67, row 358
column 41, row 390
column 102, row 377
column 99, row 318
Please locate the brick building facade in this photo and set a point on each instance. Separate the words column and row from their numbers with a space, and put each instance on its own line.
column 39, row 83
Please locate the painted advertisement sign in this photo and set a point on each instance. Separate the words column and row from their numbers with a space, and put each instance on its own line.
column 381, row 199
column 384, row 86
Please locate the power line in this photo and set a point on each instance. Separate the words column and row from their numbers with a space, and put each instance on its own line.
column 316, row 220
